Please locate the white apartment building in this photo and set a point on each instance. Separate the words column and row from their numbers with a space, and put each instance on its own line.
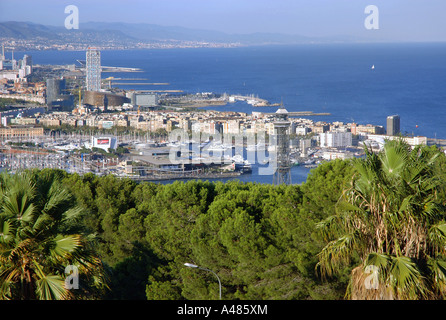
column 335, row 139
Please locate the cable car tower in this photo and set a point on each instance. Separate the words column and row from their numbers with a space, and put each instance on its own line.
column 282, row 174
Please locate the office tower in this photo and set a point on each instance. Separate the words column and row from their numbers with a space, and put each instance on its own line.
column 54, row 89
column 57, row 95
column 393, row 125
column 26, row 65
column 14, row 65
column 27, row 60
column 282, row 174
column 93, row 70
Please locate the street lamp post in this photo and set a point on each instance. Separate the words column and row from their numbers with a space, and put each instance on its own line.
column 190, row 265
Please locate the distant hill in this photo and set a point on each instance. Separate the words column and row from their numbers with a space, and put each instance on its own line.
column 131, row 32
column 29, row 30
column 152, row 32
column 26, row 30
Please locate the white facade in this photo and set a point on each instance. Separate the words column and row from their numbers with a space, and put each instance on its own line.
column 335, row 139
column 332, row 155
column 302, row 131
column 93, row 70
column 104, row 143
column 231, row 126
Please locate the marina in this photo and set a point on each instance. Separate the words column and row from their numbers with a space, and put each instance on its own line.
column 147, row 160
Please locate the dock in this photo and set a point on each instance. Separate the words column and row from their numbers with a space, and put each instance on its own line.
column 301, row 113
column 140, row 84
column 252, row 100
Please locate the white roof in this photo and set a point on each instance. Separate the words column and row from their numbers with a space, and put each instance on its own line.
column 282, row 110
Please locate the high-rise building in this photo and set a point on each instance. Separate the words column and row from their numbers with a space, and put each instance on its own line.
column 25, row 66
column 93, row 70
column 393, row 125
column 56, row 94
column 54, row 89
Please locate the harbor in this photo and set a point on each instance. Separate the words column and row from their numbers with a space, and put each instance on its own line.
column 144, row 160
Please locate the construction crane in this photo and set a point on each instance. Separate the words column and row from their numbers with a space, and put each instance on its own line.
column 77, row 90
column 80, row 96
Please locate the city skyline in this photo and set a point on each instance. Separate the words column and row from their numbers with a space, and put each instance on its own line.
column 398, row 20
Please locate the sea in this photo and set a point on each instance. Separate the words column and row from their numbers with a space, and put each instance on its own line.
column 408, row 79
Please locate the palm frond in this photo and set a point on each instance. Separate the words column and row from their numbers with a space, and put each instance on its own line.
column 406, row 278
column 65, row 245
column 337, row 253
column 52, row 287
column 6, row 230
column 437, row 236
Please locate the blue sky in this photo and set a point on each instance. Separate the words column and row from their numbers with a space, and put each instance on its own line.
column 398, row 19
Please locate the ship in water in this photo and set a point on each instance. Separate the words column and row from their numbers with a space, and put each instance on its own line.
column 241, row 164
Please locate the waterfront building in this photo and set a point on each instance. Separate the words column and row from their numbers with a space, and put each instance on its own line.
column 93, row 70
column 21, row 132
column 304, row 145
column 393, row 125
column 144, row 99
column 24, row 121
column 415, row 141
column 186, row 124
column 231, row 127
column 412, row 141
column 56, row 96
column 367, row 129
column 3, row 57
column 320, row 128
column 25, row 66
column 122, row 123
column 54, row 88
column 302, row 131
column 104, row 142
column 104, row 99
column 270, row 128
column 335, row 154
column 50, row 122
column 335, row 139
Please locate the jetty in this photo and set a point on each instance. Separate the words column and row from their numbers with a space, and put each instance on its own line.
column 301, row 113
column 251, row 99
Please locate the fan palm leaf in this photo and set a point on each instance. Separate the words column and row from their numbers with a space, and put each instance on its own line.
column 393, row 203
column 37, row 240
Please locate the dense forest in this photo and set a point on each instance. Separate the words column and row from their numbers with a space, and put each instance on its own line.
column 310, row 241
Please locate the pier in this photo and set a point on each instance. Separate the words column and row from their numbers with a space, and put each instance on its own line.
column 302, row 113
column 252, row 100
column 140, row 84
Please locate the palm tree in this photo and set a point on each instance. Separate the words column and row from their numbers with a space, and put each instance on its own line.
column 392, row 221
column 39, row 238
